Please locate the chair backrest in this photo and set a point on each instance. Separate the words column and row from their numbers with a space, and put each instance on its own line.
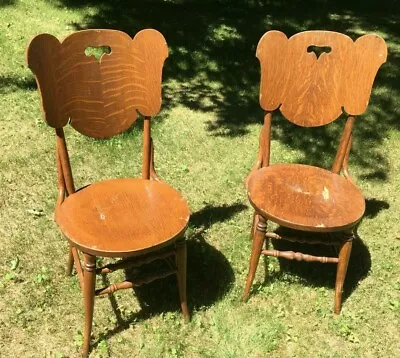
column 313, row 89
column 315, row 76
column 99, row 98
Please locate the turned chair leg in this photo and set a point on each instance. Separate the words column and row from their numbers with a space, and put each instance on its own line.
column 70, row 263
column 89, row 281
column 344, row 257
column 181, row 276
column 253, row 226
column 258, row 241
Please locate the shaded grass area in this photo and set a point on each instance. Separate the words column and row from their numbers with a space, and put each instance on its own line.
column 206, row 139
column 213, row 67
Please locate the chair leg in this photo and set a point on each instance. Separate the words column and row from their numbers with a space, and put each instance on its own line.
column 266, row 246
column 258, row 241
column 253, row 226
column 181, row 276
column 70, row 263
column 344, row 257
column 89, row 281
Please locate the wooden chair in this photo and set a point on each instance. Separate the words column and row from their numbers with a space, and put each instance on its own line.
column 139, row 220
column 311, row 89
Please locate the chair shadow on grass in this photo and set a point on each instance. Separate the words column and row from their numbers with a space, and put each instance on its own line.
column 213, row 69
column 12, row 83
column 7, row 2
column 324, row 275
column 209, row 274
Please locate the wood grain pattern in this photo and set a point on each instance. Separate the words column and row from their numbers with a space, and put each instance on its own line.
column 343, row 263
column 122, row 217
column 311, row 91
column 306, row 198
column 99, row 99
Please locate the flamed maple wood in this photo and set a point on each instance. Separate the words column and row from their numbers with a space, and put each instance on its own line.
column 306, row 198
column 123, row 217
column 140, row 220
column 311, row 89
column 98, row 98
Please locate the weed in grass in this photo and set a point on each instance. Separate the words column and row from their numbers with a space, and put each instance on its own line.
column 79, row 340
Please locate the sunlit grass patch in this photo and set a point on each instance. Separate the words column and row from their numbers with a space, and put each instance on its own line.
column 205, row 138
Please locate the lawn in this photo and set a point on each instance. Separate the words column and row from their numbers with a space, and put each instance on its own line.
column 206, row 139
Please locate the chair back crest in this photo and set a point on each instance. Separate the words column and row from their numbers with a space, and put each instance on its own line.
column 314, row 76
column 98, row 97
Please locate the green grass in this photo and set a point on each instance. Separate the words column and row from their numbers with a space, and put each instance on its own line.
column 206, row 138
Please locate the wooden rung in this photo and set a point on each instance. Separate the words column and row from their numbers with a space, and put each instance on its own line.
column 291, row 255
column 128, row 284
column 328, row 241
column 273, row 235
column 170, row 262
column 127, row 263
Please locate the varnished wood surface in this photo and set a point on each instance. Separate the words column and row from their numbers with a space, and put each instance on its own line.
column 312, row 90
column 99, row 99
column 89, row 285
column 299, row 256
column 123, row 217
column 343, row 151
column 305, row 198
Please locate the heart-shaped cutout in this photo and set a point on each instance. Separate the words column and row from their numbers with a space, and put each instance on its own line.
column 97, row 51
column 319, row 50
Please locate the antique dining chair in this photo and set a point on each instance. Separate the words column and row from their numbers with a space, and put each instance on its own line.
column 139, row 220
column 312, row 78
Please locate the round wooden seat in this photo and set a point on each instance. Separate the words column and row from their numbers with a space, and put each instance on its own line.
column 305, row 198
column 123, row 216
